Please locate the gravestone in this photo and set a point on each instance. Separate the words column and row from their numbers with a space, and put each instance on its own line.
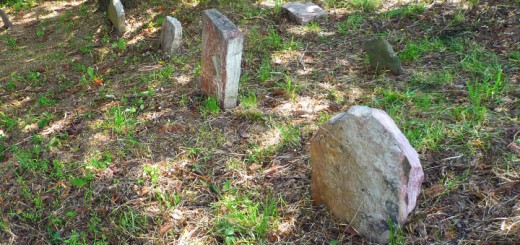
column 171, row 35
column 222, row 45
column 382, row 56
column 302, row 13
column 365, row 171
column 116, row 14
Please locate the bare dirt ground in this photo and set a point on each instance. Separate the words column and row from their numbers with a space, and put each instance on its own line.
column 105, row 140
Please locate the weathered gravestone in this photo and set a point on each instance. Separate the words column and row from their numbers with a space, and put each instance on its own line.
column 127, row 4
column 365, row 171
column 302, row 13
column 382, row 56
column 171, row 35
column 116, row 14
column 222, row 45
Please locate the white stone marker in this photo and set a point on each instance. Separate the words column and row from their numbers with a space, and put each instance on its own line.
column 302, row 13
column 116, row 14
column 171, row 35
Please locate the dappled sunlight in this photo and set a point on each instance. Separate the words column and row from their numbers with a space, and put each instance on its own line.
column 306, row 107
column 18, row 104
column 104, row 138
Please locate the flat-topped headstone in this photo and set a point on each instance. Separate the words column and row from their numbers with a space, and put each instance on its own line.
column 222, row 45
column 382, row 56
column 302, row 13
column 365, row 171
column 116, row 14
column 171, row 35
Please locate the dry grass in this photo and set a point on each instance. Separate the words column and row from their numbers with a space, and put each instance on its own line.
column 104, row 140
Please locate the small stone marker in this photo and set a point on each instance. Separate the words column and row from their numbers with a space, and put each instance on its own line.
column 365, row 171
column 302, row 13
column 222, row 45
column 116, row 14
column 171, row 35
column 382, row 56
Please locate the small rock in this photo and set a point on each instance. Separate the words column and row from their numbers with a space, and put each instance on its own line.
column 382, row 56
column 365, row 171
column 302, row 13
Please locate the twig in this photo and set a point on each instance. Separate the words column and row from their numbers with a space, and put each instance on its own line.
column 301, row 58
column 451, row 158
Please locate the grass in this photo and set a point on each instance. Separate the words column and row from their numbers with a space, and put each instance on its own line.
column 244, row 220
column 103, row 140
column 351, row 24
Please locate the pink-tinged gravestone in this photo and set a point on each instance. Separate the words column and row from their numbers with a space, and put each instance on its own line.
column 222, row 45
column 365, row 171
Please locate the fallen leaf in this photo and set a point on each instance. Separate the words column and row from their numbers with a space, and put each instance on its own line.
column 434, row 190
column 514, row 147
column 98, row 81
column 254, row 166
column 449, row 234
column 114, row 198
column 165, row 228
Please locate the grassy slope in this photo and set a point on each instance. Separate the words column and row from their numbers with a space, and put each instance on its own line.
column 104, row 140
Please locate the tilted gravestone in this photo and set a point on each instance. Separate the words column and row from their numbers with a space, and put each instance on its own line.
column 302, row 13
column 116, row 14
column 171, row 35
column 382, row 56
column 365, row 171
column 222, row 45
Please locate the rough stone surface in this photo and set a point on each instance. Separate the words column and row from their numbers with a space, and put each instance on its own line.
column 302, row 13
column 171, row 35
column 382, row 56
column 116, row 14
column 365, row 171
column 222, row 45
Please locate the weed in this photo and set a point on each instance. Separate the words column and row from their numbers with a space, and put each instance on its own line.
column 264, row 72
column 313, row 27
column 412, row 51
column 407, row 11
column 351, row 24
column 272, row 41
column 7, row 122
column 211, row 107
column 244, row 220
column 396, row 233
column 120, row 120
column 249, row 106
column 167, row 71
column 43, row 101
column 40, row 32
column 249, row 101
column 479, row 61
column 365, row 5
column 290, row 136
column 120, row 44
column 290, row 88
column 153, row 173
column 131, row 221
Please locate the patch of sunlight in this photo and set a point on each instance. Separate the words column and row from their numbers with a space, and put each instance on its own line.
column 304, row 106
